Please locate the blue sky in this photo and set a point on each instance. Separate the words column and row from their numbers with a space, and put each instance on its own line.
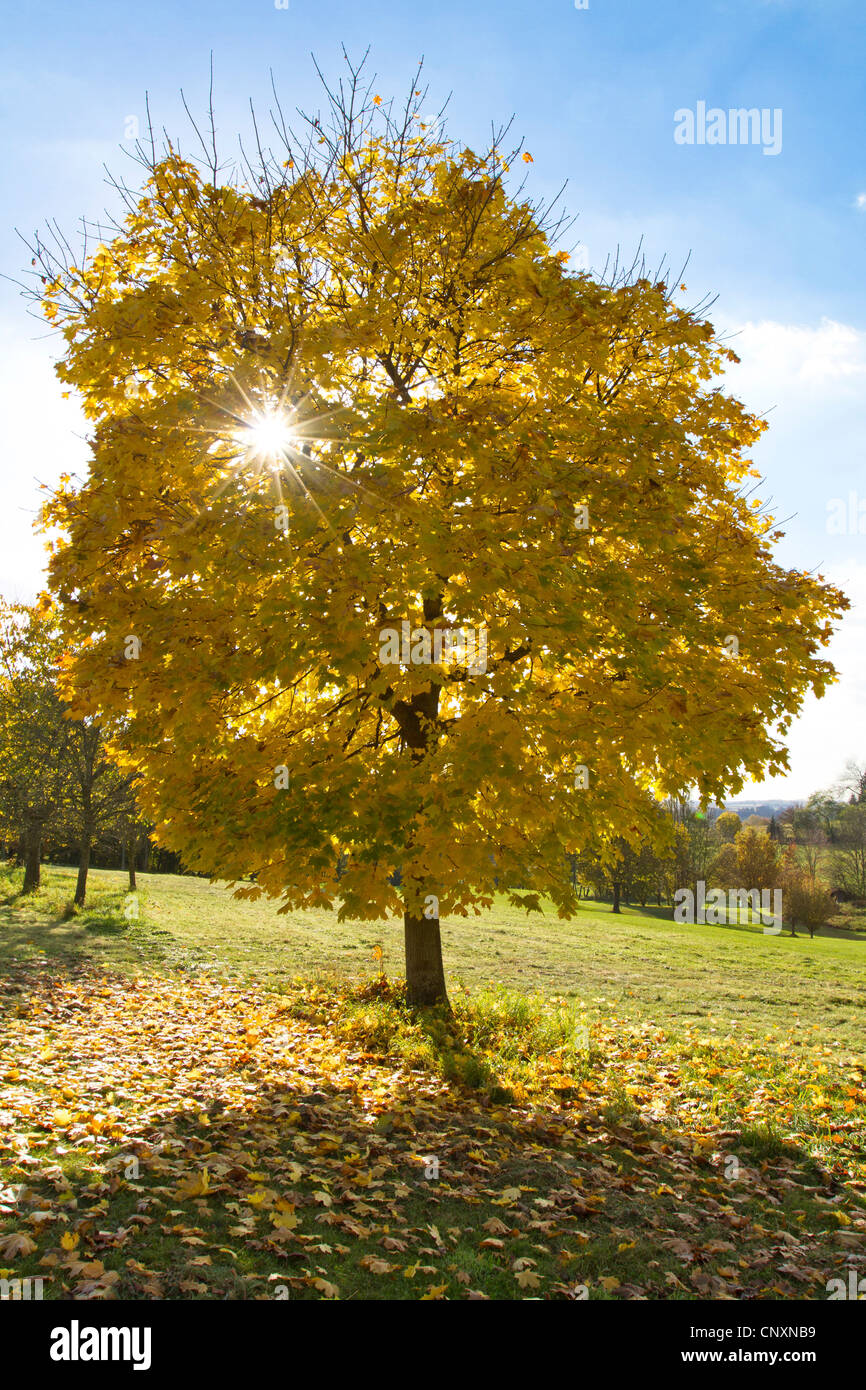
column 779, row 239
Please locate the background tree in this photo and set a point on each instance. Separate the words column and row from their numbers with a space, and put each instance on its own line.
column 849, row 857
column 131, row 831
column 631, row 869
column 805, row 903
column 612, row 871
column 34, row 733
column 100, row 797
column 727, row 824
column 695, row 846
column 724, row 870
column 703, row 844
column 356, row 385
column 810, row 838
column 56, row 778
column 757, row 859
column 824, row 807
column 852, row 786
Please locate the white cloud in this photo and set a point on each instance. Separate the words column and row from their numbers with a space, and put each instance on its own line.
column 42, row 438
column 830, row 731
column 811, row 377
column 860, row 202
column 782, row 359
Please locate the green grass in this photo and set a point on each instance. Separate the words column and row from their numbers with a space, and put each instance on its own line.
column 717, row 979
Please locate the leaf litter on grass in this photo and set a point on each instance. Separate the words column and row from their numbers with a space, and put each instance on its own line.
column 197, row 1138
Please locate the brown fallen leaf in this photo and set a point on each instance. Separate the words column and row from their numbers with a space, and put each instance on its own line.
column 324, row 1287
column 495, row 1226
column 16, row 1244
column 376, row 1266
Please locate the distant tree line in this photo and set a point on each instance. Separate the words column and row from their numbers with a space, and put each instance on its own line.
column 815, row 853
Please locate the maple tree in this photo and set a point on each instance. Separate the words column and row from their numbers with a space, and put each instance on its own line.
column 355, row 385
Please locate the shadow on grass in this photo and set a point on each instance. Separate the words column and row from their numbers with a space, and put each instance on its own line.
column 553, row 1175
column 666, row 915
column 46, row 924
column 380, row 1019
column 832, row 930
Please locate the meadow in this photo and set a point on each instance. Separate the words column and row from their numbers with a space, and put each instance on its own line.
column 205, row 1098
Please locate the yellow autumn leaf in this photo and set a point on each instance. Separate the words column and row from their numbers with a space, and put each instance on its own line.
column 284, row 1220
column 195, row 1185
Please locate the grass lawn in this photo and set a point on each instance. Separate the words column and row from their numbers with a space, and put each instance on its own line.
column 717, row 979
column 208, row 1099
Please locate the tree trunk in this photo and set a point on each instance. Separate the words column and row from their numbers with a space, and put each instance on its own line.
column 425, row 975
column 83, row 866
column 615, row 907
column 32, row 844
column 130, row 854
column 418, row 721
